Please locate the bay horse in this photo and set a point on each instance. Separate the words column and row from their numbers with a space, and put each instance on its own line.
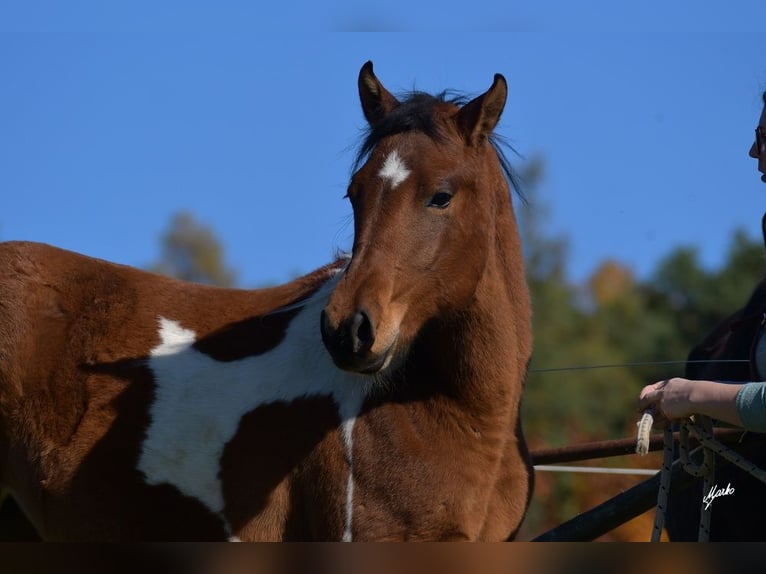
column 740, row 338
column 376, row 398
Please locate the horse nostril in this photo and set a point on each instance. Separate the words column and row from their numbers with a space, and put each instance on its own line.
column 362, row 333
column 351, row 340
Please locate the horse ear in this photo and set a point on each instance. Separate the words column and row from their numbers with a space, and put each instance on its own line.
column 478, row 118
column 377, row 101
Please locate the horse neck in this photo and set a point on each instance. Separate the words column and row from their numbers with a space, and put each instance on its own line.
column 492, row 333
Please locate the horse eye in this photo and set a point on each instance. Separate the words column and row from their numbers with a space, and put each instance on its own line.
column 440, row 200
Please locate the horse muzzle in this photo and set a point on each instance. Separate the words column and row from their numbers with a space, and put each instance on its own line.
column 351, row 341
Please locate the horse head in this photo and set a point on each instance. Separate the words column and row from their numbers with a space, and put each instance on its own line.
column 426, row 201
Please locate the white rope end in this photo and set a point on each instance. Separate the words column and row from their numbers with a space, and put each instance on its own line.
column 644, row 430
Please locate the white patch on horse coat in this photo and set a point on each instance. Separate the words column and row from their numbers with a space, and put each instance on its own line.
column 394, row 170
column 199, row 401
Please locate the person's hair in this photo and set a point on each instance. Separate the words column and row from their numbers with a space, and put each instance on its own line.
column 764, row 98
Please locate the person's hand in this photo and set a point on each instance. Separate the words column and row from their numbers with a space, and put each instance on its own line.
column 669, row 398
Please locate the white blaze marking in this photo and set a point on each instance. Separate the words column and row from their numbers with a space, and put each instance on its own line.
column 394, row 169
column 199, row 401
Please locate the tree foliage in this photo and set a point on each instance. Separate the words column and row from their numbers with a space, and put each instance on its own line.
column 191, row 251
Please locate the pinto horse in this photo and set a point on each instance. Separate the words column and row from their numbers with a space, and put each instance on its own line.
column 740, row 340
column 376, row 398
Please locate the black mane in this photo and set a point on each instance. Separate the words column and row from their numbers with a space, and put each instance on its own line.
column 415, row 113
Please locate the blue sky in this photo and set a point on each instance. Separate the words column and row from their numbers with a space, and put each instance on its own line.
column 114, row 116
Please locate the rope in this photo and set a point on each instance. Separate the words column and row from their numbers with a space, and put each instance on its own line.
column 731, row 455
column 702, row 428
column 704, row 469
column 644, row 431
column 664, row 490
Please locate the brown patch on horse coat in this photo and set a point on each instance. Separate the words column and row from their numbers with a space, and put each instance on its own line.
column 253, row 336
column 290, row 452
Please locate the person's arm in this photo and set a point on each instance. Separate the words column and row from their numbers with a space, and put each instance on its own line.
column 716, row 400
column 679, row 398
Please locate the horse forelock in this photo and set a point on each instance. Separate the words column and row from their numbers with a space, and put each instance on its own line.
column 420, row 112
column 415, row 112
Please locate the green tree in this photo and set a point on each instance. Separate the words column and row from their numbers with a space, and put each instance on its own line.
column 192, row 252
column 697, row 298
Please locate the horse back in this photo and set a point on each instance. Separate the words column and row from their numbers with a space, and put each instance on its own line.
column 59, row 307
column 75, row 388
